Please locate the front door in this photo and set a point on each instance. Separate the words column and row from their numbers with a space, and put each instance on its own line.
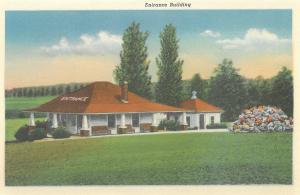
column 201, row 121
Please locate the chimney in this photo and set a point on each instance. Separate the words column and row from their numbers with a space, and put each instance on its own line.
column 194, row 95
column 124, row 91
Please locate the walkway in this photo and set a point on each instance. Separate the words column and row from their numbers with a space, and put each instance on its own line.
column 138, row 134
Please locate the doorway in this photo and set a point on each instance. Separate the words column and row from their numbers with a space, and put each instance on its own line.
column 201, row 121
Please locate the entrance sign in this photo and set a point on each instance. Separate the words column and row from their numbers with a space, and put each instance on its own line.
column 75, row 99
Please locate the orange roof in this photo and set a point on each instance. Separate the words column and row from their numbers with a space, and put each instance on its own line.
column 101, row 97
column 198, row 105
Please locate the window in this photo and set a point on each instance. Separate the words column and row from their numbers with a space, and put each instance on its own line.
column 111, row 121
column 212, row 120
column 135, row 120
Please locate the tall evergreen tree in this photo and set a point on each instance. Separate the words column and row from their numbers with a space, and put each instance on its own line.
column 134, row 63
column 228, row 90
column 198, row 85
column 282, row 91
column 169, row 88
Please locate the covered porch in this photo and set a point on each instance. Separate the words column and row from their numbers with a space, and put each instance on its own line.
column 85, row 124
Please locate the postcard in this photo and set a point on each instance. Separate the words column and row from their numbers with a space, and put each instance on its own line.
column 165, row 95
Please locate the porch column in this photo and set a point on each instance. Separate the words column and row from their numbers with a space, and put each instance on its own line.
column 123, row 122
column 31, row 122
column 85, row 131
column 154, row 121
column 84, row 122
column 183, row 121
column 54, row 121
column 154, row 124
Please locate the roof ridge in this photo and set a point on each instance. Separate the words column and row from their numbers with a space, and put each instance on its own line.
column 92, row 86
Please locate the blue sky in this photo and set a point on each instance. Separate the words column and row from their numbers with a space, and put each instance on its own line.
column 41, row 41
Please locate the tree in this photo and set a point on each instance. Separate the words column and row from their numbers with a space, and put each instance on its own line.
column 259, row 91
column 169, row 88
column 47, row 91
column 68, row 89
column 60, row 89
column 228, row 90
column 134, row 63
column 282, row 91
column 30, row 92
column 198, row 85
column 53, row 90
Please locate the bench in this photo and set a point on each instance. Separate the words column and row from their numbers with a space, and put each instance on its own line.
column 145, row 127
column 128, row 129
column 100, row 130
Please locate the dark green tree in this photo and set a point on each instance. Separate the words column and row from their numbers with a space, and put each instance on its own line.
column 169, row 88
column 60, row 90
column 47, row 91
column 42, row 91
column 53, row 90
column 228, row 90
column 68, row 89
column 19, row 92
column 259, row 91
column 282, row 91
column 198, row 85
column 30, row 92
column 134, row 61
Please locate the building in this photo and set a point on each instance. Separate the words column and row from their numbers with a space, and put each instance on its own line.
column 104, row 108
column 202, row 113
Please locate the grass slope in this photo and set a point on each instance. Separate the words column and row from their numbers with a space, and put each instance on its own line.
column 206, row 158
column 20, row 103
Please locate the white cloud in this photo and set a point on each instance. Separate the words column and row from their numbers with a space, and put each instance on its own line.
column 210, row 33
column 102, row 43
column 253, row 39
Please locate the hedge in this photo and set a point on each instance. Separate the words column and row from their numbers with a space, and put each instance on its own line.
column 61, row 132
column 216, row 126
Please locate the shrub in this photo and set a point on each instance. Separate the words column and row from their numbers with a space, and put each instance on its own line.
column 169, row 125
column 22, row 133
column 40, row 124
column 192, row 128
column 61, row 132
column 216, row 126
column 37, row 133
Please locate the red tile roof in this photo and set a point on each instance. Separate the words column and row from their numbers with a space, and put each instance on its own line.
column 101, row 97
column 198, row 105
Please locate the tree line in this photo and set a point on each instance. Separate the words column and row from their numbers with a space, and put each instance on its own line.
column 226, row 88
column 52, row 90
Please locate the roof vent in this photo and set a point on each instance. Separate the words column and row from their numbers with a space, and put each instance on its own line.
column 124, row 91
column 194, row 95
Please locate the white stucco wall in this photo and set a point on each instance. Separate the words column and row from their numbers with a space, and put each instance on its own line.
column 217, row 117
column 195, row 119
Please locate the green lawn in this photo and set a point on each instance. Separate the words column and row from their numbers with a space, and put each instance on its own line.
column 12, row 125
column 20, row 103
column 192, row 158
